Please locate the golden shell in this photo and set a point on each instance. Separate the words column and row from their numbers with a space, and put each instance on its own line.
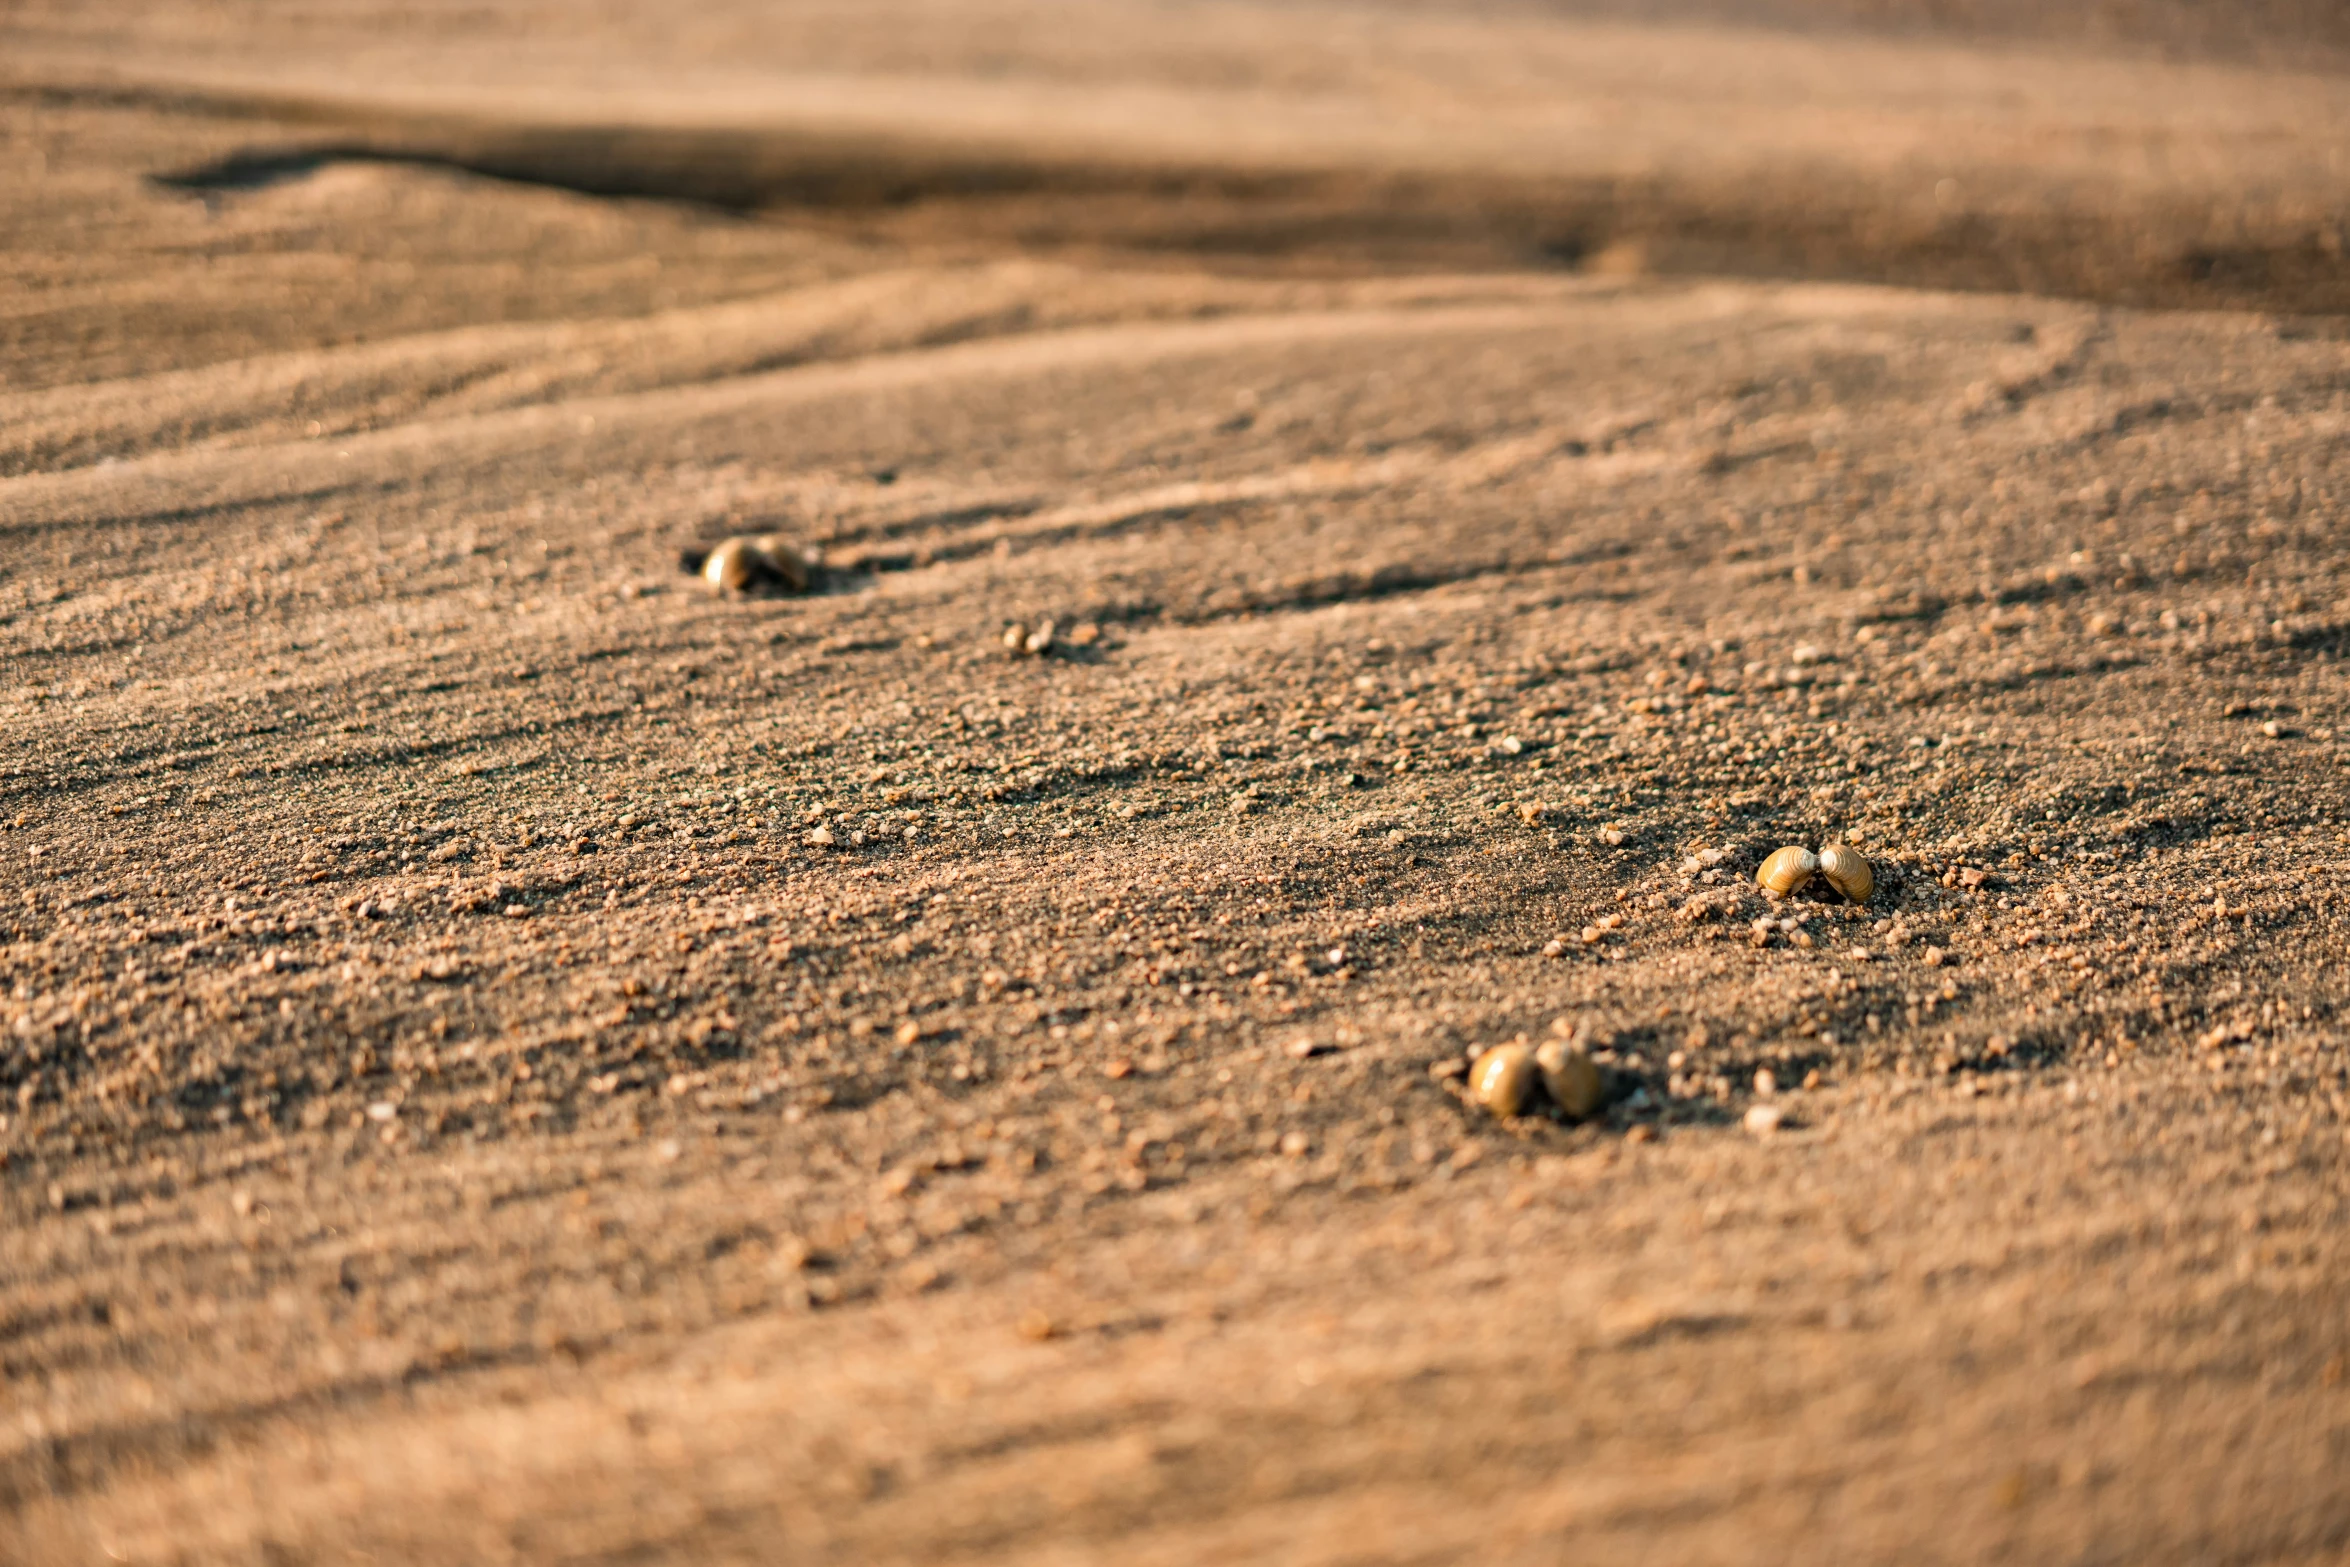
column 786, row 559
column 1503, row 1079
column 1847, row 870
column 1571, row 1077
column 733, row 567
column 1787, row 870
column 770, row 563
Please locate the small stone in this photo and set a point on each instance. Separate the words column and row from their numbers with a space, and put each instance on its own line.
column 822, row 837
column 1296, row 1145
column 1763, row 1120
column 1766, row 1083
column 382, row 1110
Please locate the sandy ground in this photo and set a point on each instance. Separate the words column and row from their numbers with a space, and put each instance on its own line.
column 510, row 1058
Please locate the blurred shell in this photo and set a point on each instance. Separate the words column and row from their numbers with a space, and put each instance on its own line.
column 786, row 559
column 769, row 563
column 1571, row 1077
column 1847, row 870
column 733, row 567
column 1503, row 1079
column 1787, row 870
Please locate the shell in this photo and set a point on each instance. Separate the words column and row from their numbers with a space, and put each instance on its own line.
column 1503, row 1079
column 767, row 564
column 1847, row 870
column 786, row 559
column 733, row 567
column 1571, row 1077
column 1787, row 870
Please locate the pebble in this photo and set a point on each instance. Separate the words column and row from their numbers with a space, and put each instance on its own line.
column 1763, row 1120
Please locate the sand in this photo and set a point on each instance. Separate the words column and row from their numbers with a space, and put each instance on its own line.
column 510, row 1057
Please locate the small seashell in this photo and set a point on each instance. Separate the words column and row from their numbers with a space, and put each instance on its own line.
column 733, row 567
column 1571, row 1077
column 786, row 559
column 1787, row 870
column 1847, row 870
column 1503, row 1079
column 740, row 567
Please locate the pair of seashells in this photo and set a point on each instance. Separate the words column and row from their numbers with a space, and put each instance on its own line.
column 1789, row 870
column 1505, row 1078
column 750, row 565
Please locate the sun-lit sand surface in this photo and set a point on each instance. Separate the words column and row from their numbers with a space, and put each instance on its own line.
column 507, row 1057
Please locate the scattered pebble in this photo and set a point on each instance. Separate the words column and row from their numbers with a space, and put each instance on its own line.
column 1763, row 1120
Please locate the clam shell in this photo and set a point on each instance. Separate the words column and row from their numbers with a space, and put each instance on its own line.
column 1847, row 870
column 767, row 564
column 733, row 567
column 1787, row 870
column 786, row 559
column 1571, row 1077
column 1503, row 1079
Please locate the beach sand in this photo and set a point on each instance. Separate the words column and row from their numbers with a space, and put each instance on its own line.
column 505, row 1056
